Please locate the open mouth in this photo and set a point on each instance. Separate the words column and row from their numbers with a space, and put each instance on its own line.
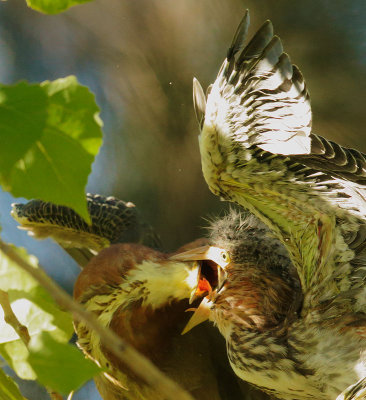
column 212, row 262
column 212, row 274
column 207, row 280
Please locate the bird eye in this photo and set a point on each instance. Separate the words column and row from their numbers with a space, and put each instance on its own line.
column 225, row 256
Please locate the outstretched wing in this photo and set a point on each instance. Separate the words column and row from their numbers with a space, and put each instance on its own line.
column 258, row 150
column 112, row 221
column 260, row 95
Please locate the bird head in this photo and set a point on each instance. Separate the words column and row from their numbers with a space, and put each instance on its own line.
column 245, row 276
column 212, row 273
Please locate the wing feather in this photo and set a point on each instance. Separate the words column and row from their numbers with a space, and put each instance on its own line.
column 330, row 157
column 199, row 102
column 240, row 36
column 258, row 150
column 262, row 78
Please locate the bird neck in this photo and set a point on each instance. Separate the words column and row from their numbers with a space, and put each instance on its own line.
column 160, row 283
column 256, row 301
column 151, row 284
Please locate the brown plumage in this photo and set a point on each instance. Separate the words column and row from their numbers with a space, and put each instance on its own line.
column 152, row 324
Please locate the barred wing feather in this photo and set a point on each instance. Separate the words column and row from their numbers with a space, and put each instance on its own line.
column 250, row 86
column 258, row 150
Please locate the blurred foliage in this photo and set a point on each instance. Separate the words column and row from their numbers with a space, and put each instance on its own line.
column 32, row 304
column 49, row 328
column 8, row 389
column 53, row 6
column 46, row 355
column 50, row 135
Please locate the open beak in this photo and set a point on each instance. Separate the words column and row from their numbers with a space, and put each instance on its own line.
column 203, row 253
column 211, row 278
column 201, row 314
column 217, row 255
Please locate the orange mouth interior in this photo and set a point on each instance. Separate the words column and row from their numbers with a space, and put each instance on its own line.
column 208, row 279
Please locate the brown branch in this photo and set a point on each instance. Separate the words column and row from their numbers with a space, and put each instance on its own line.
column 54, row 395
column 22, row 331
column 11, row 319
column 139, row 364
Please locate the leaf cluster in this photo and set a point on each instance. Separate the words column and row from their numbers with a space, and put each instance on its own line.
column 50, row 135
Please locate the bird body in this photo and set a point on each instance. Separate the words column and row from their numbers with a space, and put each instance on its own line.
column 272, row 341
column 129, row 287
column 257, row 150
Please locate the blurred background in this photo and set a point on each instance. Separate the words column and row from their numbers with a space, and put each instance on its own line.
column 139, row 58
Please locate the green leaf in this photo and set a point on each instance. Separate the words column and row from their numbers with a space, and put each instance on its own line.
column 22, row 121
column 32, row 304
column 33, row 307
column 16, row 355
column 8, row 388
column 47, row 355
column 12, row 277
column 53, row 6
column 50, row 135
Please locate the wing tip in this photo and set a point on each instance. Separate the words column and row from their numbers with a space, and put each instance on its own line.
column 199, row 102
column 240, row 36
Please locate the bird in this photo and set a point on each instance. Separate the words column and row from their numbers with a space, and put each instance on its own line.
column 141, row 294
column 296, row 339
column 129, row 287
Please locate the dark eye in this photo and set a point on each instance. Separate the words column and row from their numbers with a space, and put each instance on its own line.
column 225, row 256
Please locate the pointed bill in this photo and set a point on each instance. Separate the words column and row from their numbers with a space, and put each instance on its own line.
column 201, row 314
column 216, row 254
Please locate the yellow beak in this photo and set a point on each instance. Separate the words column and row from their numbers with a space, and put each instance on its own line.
column 201, row 314
column 221, row 258
column 216, row 254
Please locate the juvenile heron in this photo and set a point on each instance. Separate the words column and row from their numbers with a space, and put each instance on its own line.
column 258, row 150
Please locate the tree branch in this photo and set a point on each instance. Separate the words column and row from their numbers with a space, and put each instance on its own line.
column 55, row 395
column 11, row 319
column 140, row 365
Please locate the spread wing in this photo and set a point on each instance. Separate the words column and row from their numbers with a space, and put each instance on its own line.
column 112, row 221
column 258, row 150
column 260, row 95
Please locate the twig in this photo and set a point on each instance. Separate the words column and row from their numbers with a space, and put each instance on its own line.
column 11, row 319
column 54, row 395
column 140, row 365
column 22, row 331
